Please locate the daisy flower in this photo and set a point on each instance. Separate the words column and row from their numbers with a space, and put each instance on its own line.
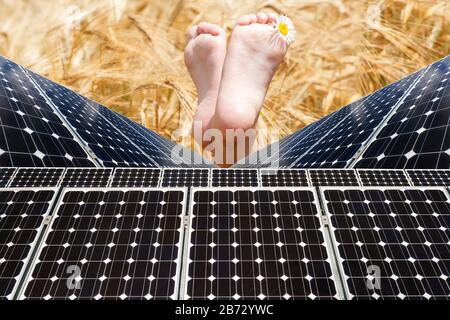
column 285, row 29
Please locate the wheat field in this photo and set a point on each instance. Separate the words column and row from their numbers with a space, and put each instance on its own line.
column 128, row 54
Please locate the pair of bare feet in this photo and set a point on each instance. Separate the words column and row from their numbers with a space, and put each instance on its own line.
column 232, row 81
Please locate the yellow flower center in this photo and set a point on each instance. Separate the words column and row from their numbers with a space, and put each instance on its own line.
column 283, row 28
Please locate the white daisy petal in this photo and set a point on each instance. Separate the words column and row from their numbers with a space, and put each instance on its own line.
column 285, row 29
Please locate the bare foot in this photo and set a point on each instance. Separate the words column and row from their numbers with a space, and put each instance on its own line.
column 204, row 56
column 253, row 56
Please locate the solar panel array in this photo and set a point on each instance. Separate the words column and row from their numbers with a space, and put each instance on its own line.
column 111, row 244
column 46, row 124
column 417, row 136
column 392, row 243
column 32, row 134
column 203, row 177
column 257, row 244
column 257, row 231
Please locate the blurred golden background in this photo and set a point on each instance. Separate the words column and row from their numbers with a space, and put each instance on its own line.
column 128, row 54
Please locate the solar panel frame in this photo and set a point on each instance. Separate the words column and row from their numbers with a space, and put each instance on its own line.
column 334, row 242
column 116, row 175
column 39, row 231
column 364, row 174
column 312, row 177
column 436, row 173
column 253, row 173
column 66, row 175
column 17, row 181
column 166, row 183
column 326, row 235
column 300, row 173
column 28, row 277
column 6, row 175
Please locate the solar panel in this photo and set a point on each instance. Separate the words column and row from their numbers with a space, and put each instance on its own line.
column 22, row 213
column 111, row 147
column 340, row 143
column 86, row 177
column 257, row 244
column 284, row 178
column 185, row 178
column 136, row 177
column 32, row 134
column 333, row 177
column 37, row 177
column 392, row 243
column 111, row 244
column 287, row 159
column 6, row 175
column 417, row 136
column 165, row 147
column 429, row 177
column 383, row 177
column 234, row 178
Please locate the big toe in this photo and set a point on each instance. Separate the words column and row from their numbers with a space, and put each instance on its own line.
column 209, row 28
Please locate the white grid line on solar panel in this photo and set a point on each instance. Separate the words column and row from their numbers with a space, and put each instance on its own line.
column 136, row 177
column 125, row 243
column 23, row 212
column 417, row 134
column 234, row 178
column 339, row 145
column 284, row 178
column 333, row 177
column 5, row 176
column 32, row 134
column 429, row 177
column 286, row 254
column 37, row 177
column 383, row 177
column 86, row 177
column 185, row 177
column 188, row 157
column 109, row 145
column 394, row 243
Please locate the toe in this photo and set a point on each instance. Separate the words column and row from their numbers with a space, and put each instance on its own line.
column 272, row 17
column 191, row 33
column 253, row 18
column 202, row 26
column 244, row 20
column 209, row 28
column 262, row 17
column 213, row 29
